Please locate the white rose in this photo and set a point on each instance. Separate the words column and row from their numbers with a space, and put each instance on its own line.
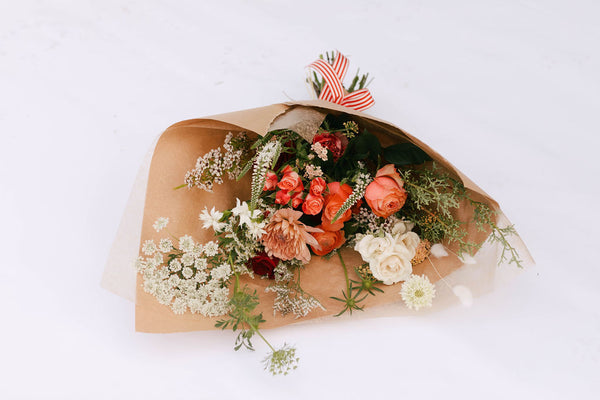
column 393, row 265
column 410, row 240
column 371, row 247
column 401, row 227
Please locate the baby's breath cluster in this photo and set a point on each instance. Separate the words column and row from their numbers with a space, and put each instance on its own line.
column 211, row 167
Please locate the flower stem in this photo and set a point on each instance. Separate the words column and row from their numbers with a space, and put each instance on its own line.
column 345, row 271
column 262, row 337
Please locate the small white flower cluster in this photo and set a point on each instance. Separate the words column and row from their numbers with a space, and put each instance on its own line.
column 160, row 224
column 389, row 255
column 291, row 299
column 232, row 158
column 417, row 292
column 244, row 229
column 311, row 171
column 319, row 150
column 262, row 163
column 185, row 280
column 376, row 225
column 281, row 361
column 211, row 167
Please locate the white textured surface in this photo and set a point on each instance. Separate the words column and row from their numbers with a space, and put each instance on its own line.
column 508, row 91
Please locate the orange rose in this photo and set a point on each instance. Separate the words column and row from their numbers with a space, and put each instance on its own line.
column 328, row 241
column 318, row 186
column 386, row 195
column 313, row 204
column 335, row 199
column 290, row 180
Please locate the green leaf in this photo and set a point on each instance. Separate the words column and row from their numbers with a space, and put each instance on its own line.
column 405, row 154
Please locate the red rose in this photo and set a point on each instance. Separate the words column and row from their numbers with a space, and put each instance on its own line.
column 264, row 265
column 313, row 204
column 271, row 181
column 318, row 186
column 335, row 199
column 336, row 143
column 290, row 180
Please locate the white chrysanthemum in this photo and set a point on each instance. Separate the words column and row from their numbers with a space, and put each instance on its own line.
column 210, row 219
column 211, row 249
column 165, row 245
column 161, row 223
column 418, row 292
column 187, row 259
column 187, row 272
column 175, row 265
column 186, row 243
column 149, row 247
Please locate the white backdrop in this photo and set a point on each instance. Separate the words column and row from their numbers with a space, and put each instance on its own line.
column 509, row 91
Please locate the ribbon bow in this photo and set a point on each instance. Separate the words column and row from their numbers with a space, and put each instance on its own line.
column 334, row 91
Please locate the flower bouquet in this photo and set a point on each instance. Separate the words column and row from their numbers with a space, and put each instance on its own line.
column 304, row 210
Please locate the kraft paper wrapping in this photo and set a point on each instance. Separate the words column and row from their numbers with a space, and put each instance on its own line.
column 176, row 152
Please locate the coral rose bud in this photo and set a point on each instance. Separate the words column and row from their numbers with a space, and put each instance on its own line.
column 318, row 186
column 328, row 241
column 386, row 195
column 282, row 197
column 297, row 199
column 271, row 181
column 290, row 180
column 313, row 204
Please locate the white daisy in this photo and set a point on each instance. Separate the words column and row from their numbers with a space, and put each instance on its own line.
column 211, row 219
column 417, row 292
column 242, row 211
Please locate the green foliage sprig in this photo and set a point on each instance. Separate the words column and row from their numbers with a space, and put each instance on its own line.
column 359, row 81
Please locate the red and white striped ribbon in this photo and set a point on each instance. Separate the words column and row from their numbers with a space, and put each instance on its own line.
column 333, row 90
